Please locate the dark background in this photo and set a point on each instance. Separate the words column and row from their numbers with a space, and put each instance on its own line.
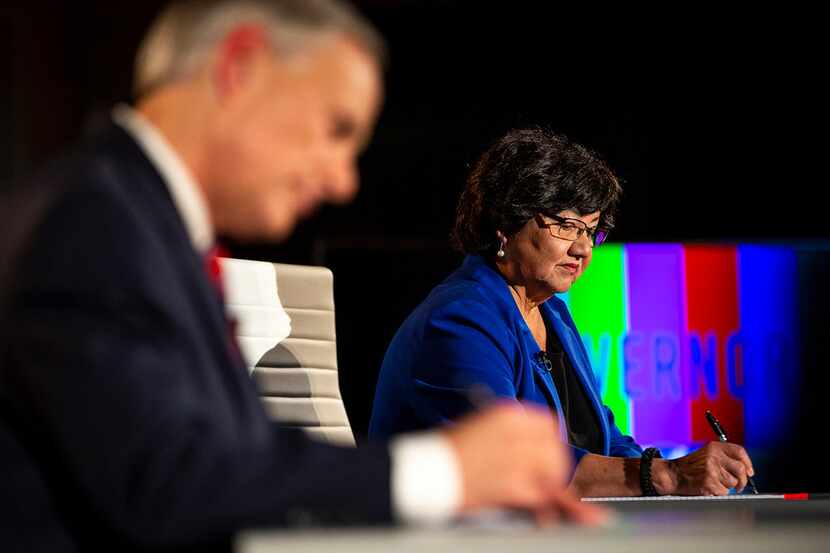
column 714, row 120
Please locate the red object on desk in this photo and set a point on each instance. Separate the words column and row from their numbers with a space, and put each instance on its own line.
column 805, row 496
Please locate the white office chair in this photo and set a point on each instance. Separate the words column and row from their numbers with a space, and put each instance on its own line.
column 294, row 363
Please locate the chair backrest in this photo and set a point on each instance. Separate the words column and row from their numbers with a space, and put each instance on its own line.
column 294, row 364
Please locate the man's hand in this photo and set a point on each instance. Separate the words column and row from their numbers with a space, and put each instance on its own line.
column 512, row 456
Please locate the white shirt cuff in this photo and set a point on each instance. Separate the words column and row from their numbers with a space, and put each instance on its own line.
column 426, row 479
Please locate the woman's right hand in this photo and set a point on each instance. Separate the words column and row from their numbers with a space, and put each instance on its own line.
column 711, row 470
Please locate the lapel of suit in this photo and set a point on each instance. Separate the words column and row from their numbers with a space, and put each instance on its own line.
column 151, row 189
column 572, row 345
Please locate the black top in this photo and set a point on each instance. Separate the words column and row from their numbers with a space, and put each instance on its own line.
column 583, row 425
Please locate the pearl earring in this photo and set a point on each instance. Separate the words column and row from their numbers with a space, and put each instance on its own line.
column 500, row 253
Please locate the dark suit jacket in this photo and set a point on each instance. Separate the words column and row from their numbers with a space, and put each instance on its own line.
column 126, row 417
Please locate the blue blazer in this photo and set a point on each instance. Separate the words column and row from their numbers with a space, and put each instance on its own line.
column 127, row 419
column 467, row 333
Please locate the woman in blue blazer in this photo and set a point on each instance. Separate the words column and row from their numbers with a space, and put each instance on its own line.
column 535, row 206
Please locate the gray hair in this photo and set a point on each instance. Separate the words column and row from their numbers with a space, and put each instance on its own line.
column 184, row 34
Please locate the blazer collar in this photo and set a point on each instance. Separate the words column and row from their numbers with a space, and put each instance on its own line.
column 555, row 311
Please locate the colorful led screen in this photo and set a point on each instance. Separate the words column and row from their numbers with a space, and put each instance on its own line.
column 676, row 329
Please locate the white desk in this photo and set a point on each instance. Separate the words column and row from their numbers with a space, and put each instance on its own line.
column 665, row 527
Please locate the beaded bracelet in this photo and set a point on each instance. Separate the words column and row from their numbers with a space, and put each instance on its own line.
column 645, row 471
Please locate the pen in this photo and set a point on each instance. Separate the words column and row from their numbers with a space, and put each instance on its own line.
column 721, row 434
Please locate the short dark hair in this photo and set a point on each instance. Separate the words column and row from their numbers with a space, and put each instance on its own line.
column 526, row 172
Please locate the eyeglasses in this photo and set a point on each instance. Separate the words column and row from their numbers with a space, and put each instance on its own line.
column 571, row 229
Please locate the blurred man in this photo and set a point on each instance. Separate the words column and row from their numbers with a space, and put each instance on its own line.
column 128, row 418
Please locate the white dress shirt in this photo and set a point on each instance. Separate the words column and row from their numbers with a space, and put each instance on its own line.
column 426, row 479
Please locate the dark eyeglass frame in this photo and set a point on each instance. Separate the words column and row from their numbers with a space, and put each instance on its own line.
column 597, row 236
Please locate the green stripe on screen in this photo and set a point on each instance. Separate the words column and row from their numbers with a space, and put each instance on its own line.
column 597, row 303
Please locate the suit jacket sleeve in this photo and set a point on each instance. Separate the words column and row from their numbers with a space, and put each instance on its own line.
column 153, row 452
column 622, row 445
column 464, row 360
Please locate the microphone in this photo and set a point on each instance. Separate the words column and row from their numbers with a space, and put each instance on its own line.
column 543, row 359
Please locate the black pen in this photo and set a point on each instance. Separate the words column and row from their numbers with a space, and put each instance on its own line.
column 721, row 434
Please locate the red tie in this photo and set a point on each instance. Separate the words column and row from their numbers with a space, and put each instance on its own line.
column 214, row 269
column 214, row 273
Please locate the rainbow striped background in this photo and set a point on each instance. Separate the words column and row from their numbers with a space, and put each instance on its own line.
column 675, row 329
